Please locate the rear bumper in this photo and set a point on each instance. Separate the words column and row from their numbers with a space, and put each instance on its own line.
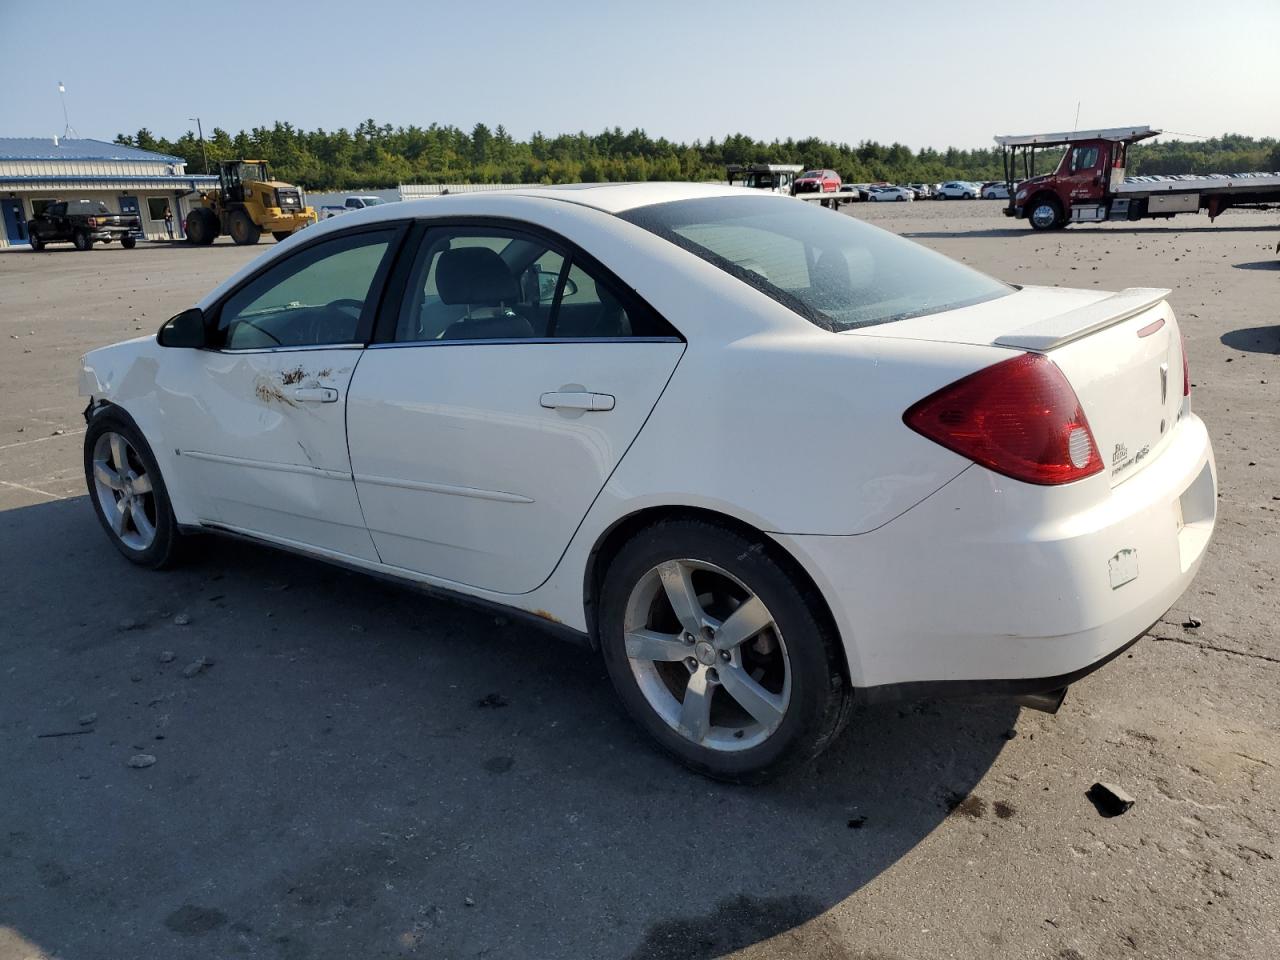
column 991, row 585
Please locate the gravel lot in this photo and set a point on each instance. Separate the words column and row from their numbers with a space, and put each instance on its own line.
column 364, row 772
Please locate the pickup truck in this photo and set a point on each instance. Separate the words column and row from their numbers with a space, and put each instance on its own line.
column 349, row 204
column 84, row 223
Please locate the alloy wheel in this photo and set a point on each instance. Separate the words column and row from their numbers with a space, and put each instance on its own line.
column 124, row 491
column 707, row 655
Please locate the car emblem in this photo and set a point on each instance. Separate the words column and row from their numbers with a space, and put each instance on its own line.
column 1164, row 383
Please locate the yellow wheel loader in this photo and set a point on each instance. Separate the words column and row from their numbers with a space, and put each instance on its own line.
column 246, row 203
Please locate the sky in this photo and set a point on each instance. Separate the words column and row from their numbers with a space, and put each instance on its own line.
column 920, row 72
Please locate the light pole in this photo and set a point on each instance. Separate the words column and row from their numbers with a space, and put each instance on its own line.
column 204, row 151
column 68, row 131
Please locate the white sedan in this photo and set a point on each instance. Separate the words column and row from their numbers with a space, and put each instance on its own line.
column 893, row 193
column 996, row 191
column 956, row 190
column 769, row 462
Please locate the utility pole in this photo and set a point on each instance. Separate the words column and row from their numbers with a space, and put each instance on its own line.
column 204, row 151
column 68, row 131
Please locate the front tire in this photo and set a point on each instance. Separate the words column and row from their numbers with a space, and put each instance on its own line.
column 128, row 493
column 82, row 240
column 128, row 242
column 1044, row 213
column 719, row 652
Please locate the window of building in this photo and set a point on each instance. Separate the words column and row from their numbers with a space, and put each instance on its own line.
column 156, row 206
column 39, row 206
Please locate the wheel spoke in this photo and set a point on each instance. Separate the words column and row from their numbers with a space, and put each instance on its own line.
column 106, row 476
column 138, row 514
column 119, row 453
column 115, row 515
column 695, row 711
column 683, row 598
column 652, row 645
column 142, row 483
column 743, row 624
column 767, row 708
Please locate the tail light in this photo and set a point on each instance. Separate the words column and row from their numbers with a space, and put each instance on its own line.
column 1186, row 369
column 1019, row 417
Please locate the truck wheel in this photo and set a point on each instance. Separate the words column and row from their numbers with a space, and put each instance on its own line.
column 1045, row 213
column 281, row 235
column 128, row 242
column 243, row 230
column 82, row 240
column 202, row 226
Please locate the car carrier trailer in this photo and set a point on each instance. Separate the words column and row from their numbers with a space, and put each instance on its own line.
column 1090, row 186
column 778, row 177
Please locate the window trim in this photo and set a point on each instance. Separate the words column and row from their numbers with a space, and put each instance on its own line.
column 393, row 297
column 368, row 319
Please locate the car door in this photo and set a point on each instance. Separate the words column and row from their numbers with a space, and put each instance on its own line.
column 259, row 417
column 1084, row 175
column 501, row 395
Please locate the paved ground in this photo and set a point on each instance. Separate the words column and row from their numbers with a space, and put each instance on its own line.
column 341, row 783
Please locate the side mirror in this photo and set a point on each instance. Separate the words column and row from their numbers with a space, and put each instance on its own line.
column 187, row 329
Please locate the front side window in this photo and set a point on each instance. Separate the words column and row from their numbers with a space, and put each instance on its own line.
column 487, row 283
column 1084, row 158
column 316, row 297
column 837, row 272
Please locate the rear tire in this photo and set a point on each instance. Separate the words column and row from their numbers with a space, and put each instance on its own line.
column 123, row 477
column 128, row 242
column 36, row 243
column 281, row 235
column 243, row 230
column 770, row 702
column 82, row 240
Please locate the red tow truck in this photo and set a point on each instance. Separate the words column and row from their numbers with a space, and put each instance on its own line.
column 1090, row 186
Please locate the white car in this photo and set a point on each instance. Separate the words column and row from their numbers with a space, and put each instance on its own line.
column 768, row 461
column 996, row 191
column 893, row 193
column 956, row 190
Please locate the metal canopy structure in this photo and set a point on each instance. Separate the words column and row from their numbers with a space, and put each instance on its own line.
column 1119, row 134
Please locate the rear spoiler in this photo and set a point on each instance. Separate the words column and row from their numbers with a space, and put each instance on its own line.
column 1053, row 332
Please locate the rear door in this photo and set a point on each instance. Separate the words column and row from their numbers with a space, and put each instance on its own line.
column 260, row 420
column 506, row 388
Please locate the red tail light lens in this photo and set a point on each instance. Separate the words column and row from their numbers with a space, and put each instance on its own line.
column 1186, row 369
column 1019, row 417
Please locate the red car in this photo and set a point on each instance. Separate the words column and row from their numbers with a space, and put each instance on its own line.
column 816, row 181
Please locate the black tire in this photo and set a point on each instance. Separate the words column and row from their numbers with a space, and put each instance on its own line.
column 128, row 242
column 82, row 240
column 243, row 230
column 202, row 227
column 36, row 243
column 168, row 543
column 1044, row 213
column 819, row 695
column 942, row 196
column 281, row 235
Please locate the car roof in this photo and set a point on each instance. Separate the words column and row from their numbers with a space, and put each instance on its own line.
column 608, row 197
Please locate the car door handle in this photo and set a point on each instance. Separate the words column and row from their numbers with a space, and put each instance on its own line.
column 316, row 395
column 577, row 400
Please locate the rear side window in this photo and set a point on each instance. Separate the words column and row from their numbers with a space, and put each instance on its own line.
column 835, row 271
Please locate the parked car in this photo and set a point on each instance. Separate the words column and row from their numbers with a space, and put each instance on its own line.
column 957, row 190
column 923, row 191
column 816, row 181
column 893, row 193
column 538, row 441
column 83, row 223
column 349, row 204
column 996, row 191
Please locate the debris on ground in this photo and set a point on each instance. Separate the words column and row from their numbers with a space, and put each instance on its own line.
column 857, row 823
column 167, row 656
column 493, row 700
column 1109, row 800
column 196, row 666
column 128, row 623
column 88, row 720
column 1193, row 623
column 140, row 761
column 181, row 620
column 64, row 733
column 469, row 902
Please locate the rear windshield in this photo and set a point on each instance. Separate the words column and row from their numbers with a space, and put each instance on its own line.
column 87, row 206
column 832, row 269
column 811, row 174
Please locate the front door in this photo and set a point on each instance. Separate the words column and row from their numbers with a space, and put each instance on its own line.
column 129, row 205
column 15, row 224
column 260, row 419
column 514, row 381
column 1084, row 177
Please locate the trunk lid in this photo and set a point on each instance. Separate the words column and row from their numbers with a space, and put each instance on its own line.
column 1121, row 353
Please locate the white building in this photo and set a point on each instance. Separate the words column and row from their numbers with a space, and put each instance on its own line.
column 35, row 172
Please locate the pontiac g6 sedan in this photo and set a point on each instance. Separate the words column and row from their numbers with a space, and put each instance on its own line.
column 768, row 461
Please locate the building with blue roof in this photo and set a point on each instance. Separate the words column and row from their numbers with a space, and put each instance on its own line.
column 35, row 172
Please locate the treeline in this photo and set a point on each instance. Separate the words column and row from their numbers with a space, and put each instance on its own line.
column 373, row 156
